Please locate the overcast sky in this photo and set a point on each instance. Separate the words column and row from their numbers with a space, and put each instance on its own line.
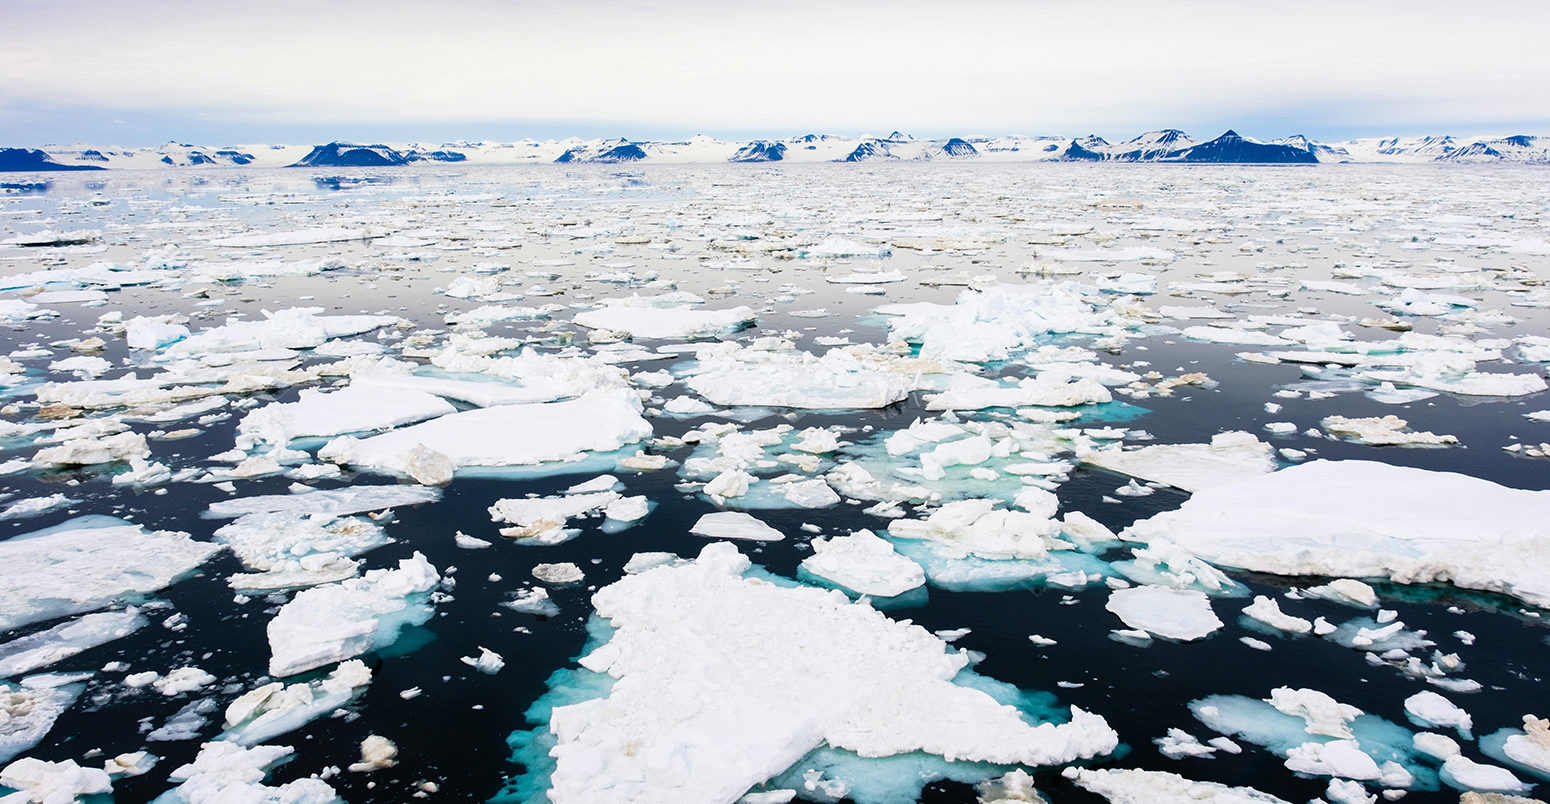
column 137, row 72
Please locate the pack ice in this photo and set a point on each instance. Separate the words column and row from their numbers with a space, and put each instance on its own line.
column 1362, row 519
column 701, row 653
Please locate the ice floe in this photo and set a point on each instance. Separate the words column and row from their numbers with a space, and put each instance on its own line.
column 1362, row 519
column 863, row 563
column 1180, row 614
column 327, row 624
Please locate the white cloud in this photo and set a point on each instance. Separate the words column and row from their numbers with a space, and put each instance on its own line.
column 986, row 65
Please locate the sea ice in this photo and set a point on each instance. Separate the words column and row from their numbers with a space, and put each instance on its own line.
column 52, row 782
column 1364, row 519
column 770, row 373
column 863, row 563
column 509, row 435
column 1427, row 708
column 337, row 502
column 227, row 772
column 276, row 708
column 292, row 550
column 1181, row 614
column 644, row 318
column 807, row 665
column 735, row 525
column 327, row 624
column 1230, row 457
column 1158, row 787
column 41, row 649
column 348, row 410
column 87, row 563
column 1383, row 431
column 29, row 708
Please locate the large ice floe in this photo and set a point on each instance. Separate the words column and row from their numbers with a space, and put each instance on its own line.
column 699, row 651
column 1363, row 519
column 507, row 435
column 664, row 317
column 87, row 563
column 769, row 372
column 348, row 410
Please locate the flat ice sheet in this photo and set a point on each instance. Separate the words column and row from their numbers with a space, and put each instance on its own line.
column 1363, row 519
column 507, row 435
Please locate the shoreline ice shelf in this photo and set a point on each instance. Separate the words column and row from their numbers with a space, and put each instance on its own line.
column 969, row 482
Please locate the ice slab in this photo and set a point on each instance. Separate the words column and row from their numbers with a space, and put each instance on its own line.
column 350, row 409
column 640, row 318
column 28, row 710
column 87, row 563
column 854, row 679
column 337, row 502
column 772, row 374
column 1158, row 787
column 1230, row 457
column 290, row 550
column 52, row 782
column 327, row 624
column 864, row 564
column 1363, row 519
column 277, row 708
column 292, row 328
column 227, row 772
column 735, row 525
column 1181, row 614
column 41, row 649
column 509, row 435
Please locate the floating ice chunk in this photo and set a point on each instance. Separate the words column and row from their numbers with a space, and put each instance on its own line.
column 866, row 278
column 299, row 237
column 813, row 493
column 1529, row 748
column 1348, row 591
column 841, row 247
column 701, row 630
column 1162, row 563
column 183, row 680
column 1435, row 745
column 1181, row 614
column 28, row 653
column 865, row 564
column 52, row 782
column 87, row 563
column 293, row 328
column 228, row 772
column 775, row 375
column 509, row 435
column 735, row 525
column 34, row 506
column 1384, row 431
column 1427, row 708
column 1342, row 758
column 1323, row 715
column 1341, row 791
column 337, row 502
column 28, row 710
column 327, row 624
column 1370, row 520
column 1157, row 787
column 536, row 600
column 377, row 752
column 1235, row 336
column 348, row 410
column 1230, row 457
column 1178, row 744
column 1268, row 611
column 641, row 318
column 974, row 393
column 1466, row 774
column 542, row 520
column 92, row 451
column 560, row 574
column 488, row 662
column 998, row 321
column 292, row 549
column 135, row 763
column 86, row 366
column 977, row 528
column 277, row 708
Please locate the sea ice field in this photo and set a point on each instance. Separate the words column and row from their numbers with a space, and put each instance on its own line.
column 879, row 483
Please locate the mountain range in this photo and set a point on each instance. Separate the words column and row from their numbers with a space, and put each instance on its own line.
column 1166, row 145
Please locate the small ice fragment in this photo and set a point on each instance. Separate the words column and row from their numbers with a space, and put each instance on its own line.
column 489, row 662
column 558, row 574
column 377, row 752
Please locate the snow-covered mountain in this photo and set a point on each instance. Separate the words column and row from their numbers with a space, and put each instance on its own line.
column 1164, row 145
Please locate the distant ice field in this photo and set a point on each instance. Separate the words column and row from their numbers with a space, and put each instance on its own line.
column 885, row 484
